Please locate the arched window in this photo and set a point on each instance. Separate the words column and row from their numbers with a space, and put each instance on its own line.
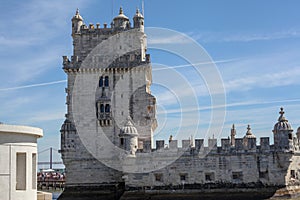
column 107, row 108
column 101, row 81
column 106, row 81
column 102, row 108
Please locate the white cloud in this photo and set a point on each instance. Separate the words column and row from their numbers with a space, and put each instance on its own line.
column 243, row 36
column 46, row 115
column 33, row 85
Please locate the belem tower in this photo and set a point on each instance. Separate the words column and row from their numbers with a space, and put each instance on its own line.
column 109, row 101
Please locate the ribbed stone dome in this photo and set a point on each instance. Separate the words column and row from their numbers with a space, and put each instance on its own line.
column 121, row 15
column 249, row 134
column 77, row 15
column 128, row 128
column 138, row 14
column 67, row 126
column 282, row 124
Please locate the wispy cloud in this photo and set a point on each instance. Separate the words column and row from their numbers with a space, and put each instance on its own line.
column 46, row 116
column 282, row 78
column 230, row 105
column 243, row 36
column 192, row 64
column 33, row 85
column 175, row 39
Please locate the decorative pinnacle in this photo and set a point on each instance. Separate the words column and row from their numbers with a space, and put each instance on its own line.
column 233, row 126
column 249, row 130
column 281, row 117
column 137, row 10
column 77, row 11
column 121, row 11
column 281, row 111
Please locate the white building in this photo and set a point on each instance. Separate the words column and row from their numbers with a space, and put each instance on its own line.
column 18, row 161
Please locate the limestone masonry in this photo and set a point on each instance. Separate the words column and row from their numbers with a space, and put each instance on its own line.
column 124, row 110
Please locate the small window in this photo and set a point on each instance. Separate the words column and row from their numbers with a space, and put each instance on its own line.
column 290, row 136
column 107, row 108
column 158, row 177
column 102, row 108
column 106, row 81
column 101, row 81
column 237, row 176
column 209, row 177
column 21, row 171
column 264, row 175
column 293, row 174
column 183, row 177
column 122, row 141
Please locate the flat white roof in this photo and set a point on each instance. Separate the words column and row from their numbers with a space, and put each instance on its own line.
column 37, row 132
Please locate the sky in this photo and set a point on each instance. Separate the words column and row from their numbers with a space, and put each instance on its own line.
column 254, row 44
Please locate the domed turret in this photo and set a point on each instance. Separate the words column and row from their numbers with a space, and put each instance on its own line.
column 128, row 128
column 138, row 20
column 283, row 133
column 282, row 124
column 249, row 140
column 121, row 21
column 249, row 133
column 77, row 22
column 129, row 137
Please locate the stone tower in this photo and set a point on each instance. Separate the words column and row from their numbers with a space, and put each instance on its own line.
column 283, row 133
column 116, row 57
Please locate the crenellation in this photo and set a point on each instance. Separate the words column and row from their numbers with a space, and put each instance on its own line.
column 225, row 145
column 239, row 146
column 186, row 144
column 160, row 144
column 265, row 144
column 173, row 145
column 199, row 143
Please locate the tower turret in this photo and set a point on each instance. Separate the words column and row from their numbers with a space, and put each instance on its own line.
column 249, row 139
column 129, row 137
column 233, row 134
column 283, row 133
column 121, row 22
column 138, row 20
column 298, row 135
column 77, row 22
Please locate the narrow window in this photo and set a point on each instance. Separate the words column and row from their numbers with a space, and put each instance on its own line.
column 34, row 171
column 106, row 81
column 21, row 171
column 122, row 141
column 290, row 136
column 293, row 174
column 209, row 177
column 183, row 177
column 238, row 176
column 102, row 108
column 107, row 108
column 158, row 177
column 101, row 81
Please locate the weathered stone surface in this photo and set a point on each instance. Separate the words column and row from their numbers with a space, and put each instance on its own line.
column 191, row 171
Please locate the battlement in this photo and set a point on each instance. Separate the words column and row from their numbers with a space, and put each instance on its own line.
column 119, row 23
column 98, row 30
column 129, row 60
column 242, row 145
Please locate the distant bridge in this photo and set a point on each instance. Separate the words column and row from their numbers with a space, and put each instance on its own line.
column 50, row 162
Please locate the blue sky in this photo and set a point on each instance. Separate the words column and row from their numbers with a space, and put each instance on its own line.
column 255, row 45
